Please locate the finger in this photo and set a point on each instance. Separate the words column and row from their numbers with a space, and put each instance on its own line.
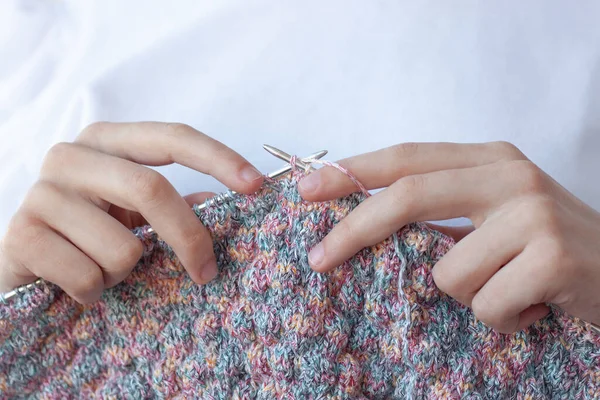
column 530, row 315
column 159, row 143
column 132, row 219
column 457, row 233
column 198, row 198
column 102, row 238
column 11, row 274
column 435, row 196
column 52, row 258
column 470, row 263
column 514, row 297
column 135, row 187
column 127, row 218
column 383, row 167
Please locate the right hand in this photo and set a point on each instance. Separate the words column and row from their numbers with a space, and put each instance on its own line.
column 74, row 226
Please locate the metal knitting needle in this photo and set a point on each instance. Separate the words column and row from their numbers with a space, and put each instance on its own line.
column 20, row 289
column 288, row 168
column 282, row 155
column 304, row 163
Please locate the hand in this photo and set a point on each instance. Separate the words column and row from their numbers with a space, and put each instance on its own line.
column 73, row 228
column 532, row 242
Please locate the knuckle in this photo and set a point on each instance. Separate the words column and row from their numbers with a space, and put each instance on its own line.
column 412, row 183
column 542, row 213
column 444, row 281
column 11, row 264
column 345, row 233
column 530, row 177
column 25, row 237
column 406, row 192
column 35, row 237
column 9, row 244
column 549, row 219
column 13, row 239
column 58, row 155
column 128, row 253
column 556, row 252
column 149, row 186
column 195, row 246
column 223, row 155
column 44, row 189
column 483, row 309
column 92, row 130
column 507, row 150
column 41, row 193
column 193, row 242
column 23, row 232
column 87, row 285
column 555, row 261
column 550, row 224
column 405, row 150
column 178, row 130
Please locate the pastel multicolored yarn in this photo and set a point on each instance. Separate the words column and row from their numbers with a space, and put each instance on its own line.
column 270, row 328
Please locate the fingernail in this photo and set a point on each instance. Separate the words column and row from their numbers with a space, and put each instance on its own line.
column 310, row 183
column 209, row 272
column 250, row 174
column 316, row 255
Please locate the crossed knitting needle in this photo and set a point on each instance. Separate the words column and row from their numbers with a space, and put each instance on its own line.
column 304, row 163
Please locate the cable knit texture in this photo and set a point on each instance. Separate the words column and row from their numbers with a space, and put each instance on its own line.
column 268, row 327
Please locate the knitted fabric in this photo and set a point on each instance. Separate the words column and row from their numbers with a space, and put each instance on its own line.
column 268, row 327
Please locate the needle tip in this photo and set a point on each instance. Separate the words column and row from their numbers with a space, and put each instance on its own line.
column 277, row 153
column 270, row 149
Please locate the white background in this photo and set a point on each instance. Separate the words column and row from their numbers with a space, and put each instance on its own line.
column 348, row 76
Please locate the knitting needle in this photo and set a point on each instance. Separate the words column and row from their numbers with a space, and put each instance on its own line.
column 20, row 289
column 282, row 155
column 284, row 170
column 304, row 163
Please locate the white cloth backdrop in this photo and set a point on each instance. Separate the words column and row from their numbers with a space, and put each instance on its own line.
column 348, row 76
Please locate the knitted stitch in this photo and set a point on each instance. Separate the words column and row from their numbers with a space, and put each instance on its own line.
column 268, row 327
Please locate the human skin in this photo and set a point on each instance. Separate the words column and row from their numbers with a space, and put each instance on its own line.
column 74, row 226
column 531, row 242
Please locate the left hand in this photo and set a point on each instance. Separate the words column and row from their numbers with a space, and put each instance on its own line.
column 532, row 242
